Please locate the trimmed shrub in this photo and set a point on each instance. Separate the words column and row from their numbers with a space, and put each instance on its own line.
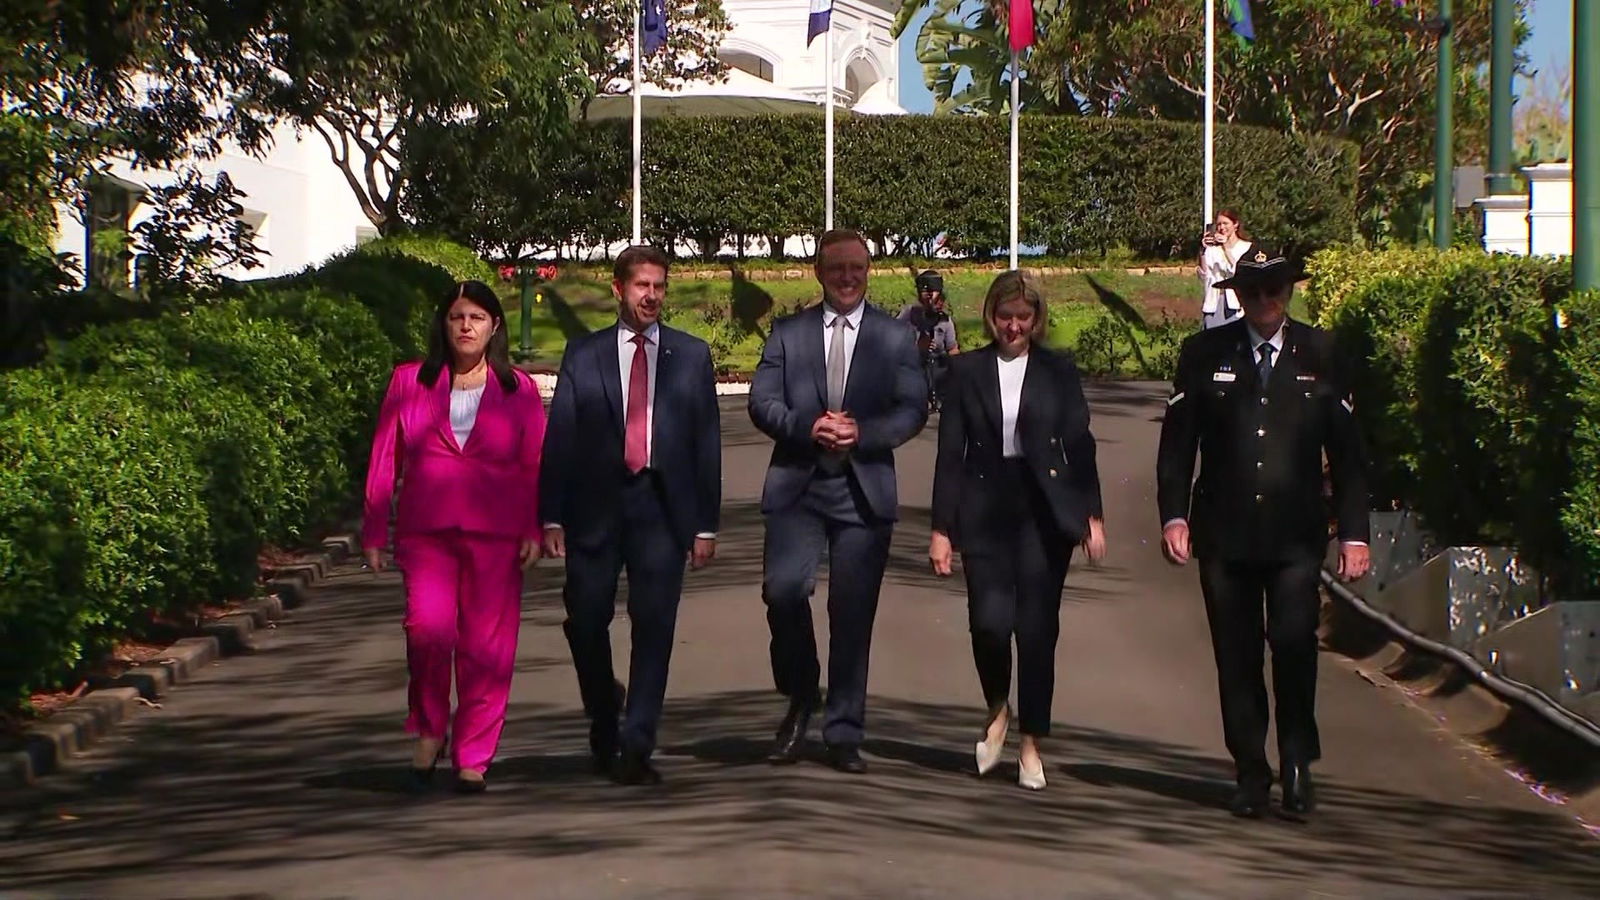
column 1087, row 184
column 1470, row 391
column 144, row 463
column 1579, row 320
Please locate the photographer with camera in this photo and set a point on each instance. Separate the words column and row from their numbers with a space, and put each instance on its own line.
column 936, row 331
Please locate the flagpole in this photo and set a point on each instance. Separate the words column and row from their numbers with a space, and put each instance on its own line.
column 827, row 56
column 1211, row 86
column 638, row 133
column 1016, row 93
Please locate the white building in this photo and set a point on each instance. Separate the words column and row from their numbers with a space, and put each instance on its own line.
column 303, row 211
column 772, row 70
column 297, row 201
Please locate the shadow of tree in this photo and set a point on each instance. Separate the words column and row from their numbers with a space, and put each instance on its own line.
column 750, row 304
column 566, row 318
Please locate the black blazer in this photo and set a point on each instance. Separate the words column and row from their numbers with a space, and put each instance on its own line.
column 1259, row 494
column 580, row 483
column 1053, row 428
column 886, row 392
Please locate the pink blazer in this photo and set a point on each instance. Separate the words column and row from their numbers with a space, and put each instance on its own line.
column 489, row 487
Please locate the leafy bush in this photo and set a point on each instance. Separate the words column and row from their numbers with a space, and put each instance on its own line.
column 1116, row 346
column 144, row 463
column 1087, row 185
column 1580, row 508
column 1471, row 393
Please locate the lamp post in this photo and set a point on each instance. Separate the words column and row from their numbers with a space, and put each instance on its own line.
column 1586, row 144
column 1444, row 214
column 526, row 325
column 1502, row 70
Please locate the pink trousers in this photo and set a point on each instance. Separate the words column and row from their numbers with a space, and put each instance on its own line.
column 463, row 610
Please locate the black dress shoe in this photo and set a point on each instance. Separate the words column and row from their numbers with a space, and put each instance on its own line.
column 635, row 768
column 471, row 785
column 1249, row 802
column 792, row 733
column 847, row 758
column 1299, row 798
column 603, row 741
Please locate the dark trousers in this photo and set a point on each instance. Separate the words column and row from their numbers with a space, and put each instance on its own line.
column 1235, row 594
column 1014, row 583
column 643, row 546
column 831, row 515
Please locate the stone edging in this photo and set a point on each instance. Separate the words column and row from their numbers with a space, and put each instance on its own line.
column 70, row 731
column 1387, row 655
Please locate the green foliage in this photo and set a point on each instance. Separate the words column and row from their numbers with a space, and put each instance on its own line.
column 144, row 464
column 1087, row 184
column 459, row 261
column 1471, row 393
column 1580, row 358
column 1353, row 70
column 399, row 288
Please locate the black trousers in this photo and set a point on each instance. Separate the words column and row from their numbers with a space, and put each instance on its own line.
column 643, row 546
column 830, row 516
column 1014, row 586
column 1235, row 594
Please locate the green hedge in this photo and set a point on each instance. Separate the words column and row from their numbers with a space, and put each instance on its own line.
column 1476, row 390
column 1087, row 184
column 144, row 464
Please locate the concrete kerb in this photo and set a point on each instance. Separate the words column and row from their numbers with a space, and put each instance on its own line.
column 1385, row 654
column 48, row 744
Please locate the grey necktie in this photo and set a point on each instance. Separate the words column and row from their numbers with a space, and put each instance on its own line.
column 836, row 364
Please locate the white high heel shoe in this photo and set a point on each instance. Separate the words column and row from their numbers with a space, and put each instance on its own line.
column 987, row 754
column 1033, row 781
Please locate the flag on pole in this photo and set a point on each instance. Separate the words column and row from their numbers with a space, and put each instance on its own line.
column 1018, row 15
column 1239, row 19
column 817, row 22
column 653, row 25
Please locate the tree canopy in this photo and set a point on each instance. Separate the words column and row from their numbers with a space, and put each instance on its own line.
column 1349, row 69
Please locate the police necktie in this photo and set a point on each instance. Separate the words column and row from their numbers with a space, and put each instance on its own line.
column 1264, row 367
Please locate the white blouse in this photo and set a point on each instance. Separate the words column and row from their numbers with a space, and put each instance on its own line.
column 1012, row 371
column 464, row 412
column 1220, row 263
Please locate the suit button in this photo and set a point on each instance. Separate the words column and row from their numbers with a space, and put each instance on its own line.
column 1263, row 401
column 1052, row 473
column 1261, row 432
column 1259, row 498
column 1052, row 442
column 1259, row 464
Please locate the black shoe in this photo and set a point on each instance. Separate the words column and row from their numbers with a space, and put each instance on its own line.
column 792, row 733
column 1249, row 802
column 1299, row 798
column 471, row 786
column 603, row 741
column 847, row 758
column 634, row 768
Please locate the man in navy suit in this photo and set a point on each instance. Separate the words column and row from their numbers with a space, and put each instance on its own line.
column 839, row 387
column 631, row 479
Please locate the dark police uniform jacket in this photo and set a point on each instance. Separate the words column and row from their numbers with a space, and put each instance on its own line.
column 1259, row 495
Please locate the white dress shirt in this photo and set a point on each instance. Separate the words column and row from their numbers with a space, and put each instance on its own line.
column 464, row 412
column 851, row 332
column 1257, row 340
column 625, row 351
column 1012, row 372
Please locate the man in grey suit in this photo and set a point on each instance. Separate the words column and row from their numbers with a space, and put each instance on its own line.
column 839, row 387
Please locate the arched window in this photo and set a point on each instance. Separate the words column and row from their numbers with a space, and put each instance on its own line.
column 747, row 62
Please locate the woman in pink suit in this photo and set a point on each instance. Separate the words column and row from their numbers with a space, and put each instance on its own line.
column 461, row 431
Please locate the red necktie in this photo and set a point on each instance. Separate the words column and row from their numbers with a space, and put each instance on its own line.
column 636, row 452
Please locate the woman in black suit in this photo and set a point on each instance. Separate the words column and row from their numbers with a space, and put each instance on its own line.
column 1015, row 490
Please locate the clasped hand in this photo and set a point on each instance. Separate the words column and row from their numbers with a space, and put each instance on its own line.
column 835, row 431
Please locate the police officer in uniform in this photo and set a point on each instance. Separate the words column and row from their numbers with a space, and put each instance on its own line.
column 1263, row 399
